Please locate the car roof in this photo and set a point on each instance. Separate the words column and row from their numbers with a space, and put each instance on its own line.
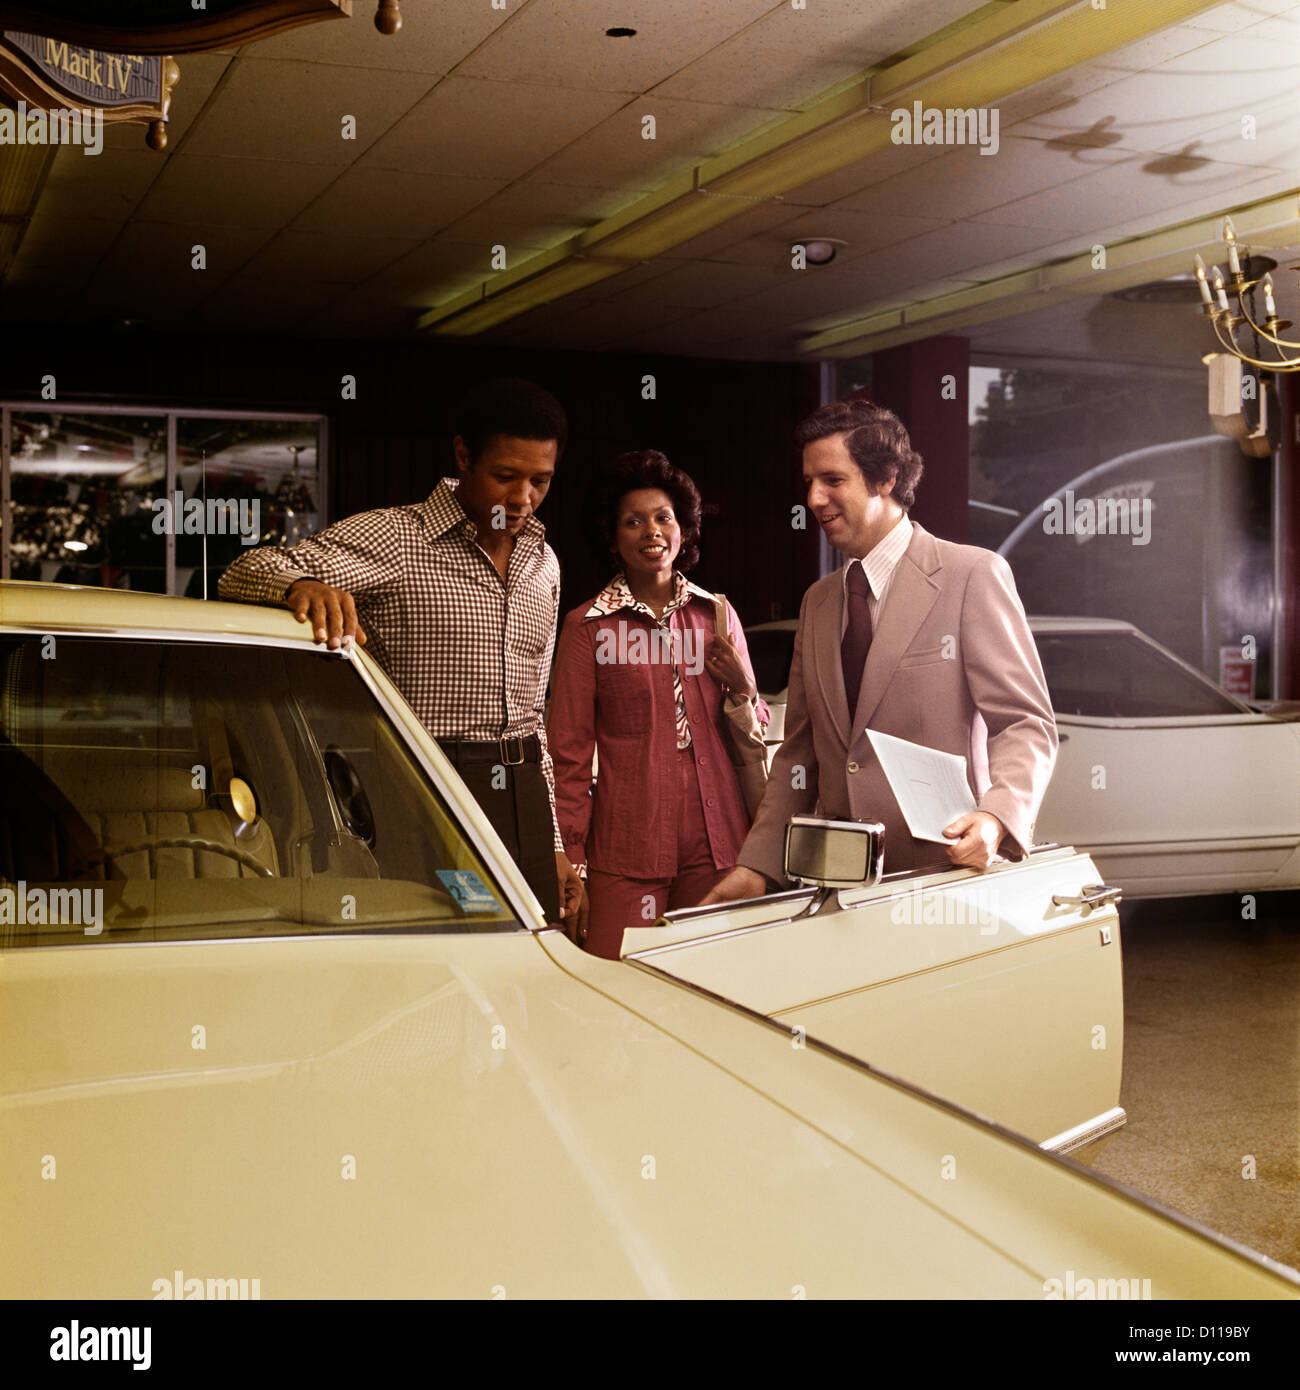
column 45, row 606
column 1054, row 624
column 1036, row 624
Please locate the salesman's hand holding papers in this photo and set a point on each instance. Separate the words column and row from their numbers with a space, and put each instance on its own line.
column 930, row 786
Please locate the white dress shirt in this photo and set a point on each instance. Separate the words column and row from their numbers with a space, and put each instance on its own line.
column 879, row 565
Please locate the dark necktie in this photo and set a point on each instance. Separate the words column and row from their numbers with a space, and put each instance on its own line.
column 857, row 634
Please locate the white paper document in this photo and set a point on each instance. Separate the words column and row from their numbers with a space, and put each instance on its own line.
column 930, row 786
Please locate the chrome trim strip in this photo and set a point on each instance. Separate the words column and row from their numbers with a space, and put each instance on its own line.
column 692, row 914
column 1246, row 718
column 708, row 939
column 1069, row 1140
column 14, row 628
column 1190, row 849
column 888, row 886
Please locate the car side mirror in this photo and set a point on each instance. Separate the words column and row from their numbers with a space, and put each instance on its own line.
column 834, row 853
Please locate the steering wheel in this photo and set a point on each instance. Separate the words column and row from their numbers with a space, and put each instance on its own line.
column 248, row 860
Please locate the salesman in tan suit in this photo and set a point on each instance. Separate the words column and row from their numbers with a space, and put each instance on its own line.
column 915, row 637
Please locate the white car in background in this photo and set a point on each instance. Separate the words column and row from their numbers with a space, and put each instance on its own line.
column 1173, row 786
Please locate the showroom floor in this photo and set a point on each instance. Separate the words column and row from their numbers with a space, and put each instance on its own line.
column 1212, row 1065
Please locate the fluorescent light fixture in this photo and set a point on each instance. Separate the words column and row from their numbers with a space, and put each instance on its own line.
column 998, row 51
column 1271, row 222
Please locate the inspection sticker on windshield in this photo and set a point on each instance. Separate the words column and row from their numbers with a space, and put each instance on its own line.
column 469, row 890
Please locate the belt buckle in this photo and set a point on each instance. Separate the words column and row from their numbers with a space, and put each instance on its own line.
column 504, row 744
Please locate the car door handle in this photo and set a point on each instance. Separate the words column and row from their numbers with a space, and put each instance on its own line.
column 1090, row 895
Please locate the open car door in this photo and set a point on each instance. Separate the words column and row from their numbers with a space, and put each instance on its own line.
column 999, row 991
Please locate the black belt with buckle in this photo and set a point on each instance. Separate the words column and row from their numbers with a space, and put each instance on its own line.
column 510, row 750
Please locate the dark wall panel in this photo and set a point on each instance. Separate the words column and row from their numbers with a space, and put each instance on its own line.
column 728, row 424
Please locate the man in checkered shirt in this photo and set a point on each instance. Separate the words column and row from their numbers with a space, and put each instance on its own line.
column 456, row 597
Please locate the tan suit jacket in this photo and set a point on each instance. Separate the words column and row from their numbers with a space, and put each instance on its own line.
column 953, row 666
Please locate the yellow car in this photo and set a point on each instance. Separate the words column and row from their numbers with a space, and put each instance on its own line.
column 282, row 1020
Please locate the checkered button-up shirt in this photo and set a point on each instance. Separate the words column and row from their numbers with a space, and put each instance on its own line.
column 470, row 653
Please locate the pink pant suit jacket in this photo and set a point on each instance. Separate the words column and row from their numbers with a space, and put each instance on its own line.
column 626, row 712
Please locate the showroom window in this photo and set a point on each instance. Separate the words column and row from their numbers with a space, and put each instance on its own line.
column 1111, row 496
column 151, row 499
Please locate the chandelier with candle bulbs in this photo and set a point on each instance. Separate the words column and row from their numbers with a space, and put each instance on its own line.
column 1227, row 322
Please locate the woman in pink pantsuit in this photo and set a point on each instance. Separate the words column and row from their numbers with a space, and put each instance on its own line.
column 641, row 679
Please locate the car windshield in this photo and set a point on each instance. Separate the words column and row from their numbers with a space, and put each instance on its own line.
column 163, row 790
column 1116, row 675
column 771, row 650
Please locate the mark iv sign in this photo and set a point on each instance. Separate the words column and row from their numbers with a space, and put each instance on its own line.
column 90, row 78
column 43, row 75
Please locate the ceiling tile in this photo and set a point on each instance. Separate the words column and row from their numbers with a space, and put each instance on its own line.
column 432, row 39
column 864, row 173
column 432, row 274
column 962, row 250
column 1222, row 192
column 107, row 185
column 338, row 259
column 786, row 60
column 152, row 261
column 669, row 35
column 731, row 240
column 536, row 326
column 1057, row 97
column 696, row 285
column 370, row 201
column 965, row 180
column 1273, row 144
column 216, row 190
column 1136, row 188
column 68, row 243
column 1153, row 50
column 897, row 297
column 294, row 111
column 1205, row 91
column 536, row 215
column 616, row 155
column 357, row 314
column 627, row 279
column 200, row 73
column 1229, row 18
column 1245, row 61
column 274, row 303
column 489, row 129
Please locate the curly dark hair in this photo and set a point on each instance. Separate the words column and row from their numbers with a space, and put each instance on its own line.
column 514, row 407
column 877, row 442
column 641, row 468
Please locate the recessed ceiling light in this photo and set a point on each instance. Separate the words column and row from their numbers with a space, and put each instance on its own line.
column 819, row 250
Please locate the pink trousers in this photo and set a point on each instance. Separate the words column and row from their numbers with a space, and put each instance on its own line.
column 618, row 902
